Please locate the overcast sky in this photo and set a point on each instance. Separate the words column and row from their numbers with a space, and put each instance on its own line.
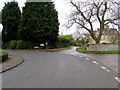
column 63, row 8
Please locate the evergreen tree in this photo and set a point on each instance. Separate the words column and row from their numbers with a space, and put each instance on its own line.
column 10, row 20
column 39, row 22
column 0, row 17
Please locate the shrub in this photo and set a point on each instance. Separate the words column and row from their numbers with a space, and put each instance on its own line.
column 64, row 41
column 61, row 44
column 24, row 44
column 13, row 44
column 6, row 45
column 3, row 56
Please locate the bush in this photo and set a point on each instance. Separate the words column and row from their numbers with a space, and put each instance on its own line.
column 13, row 44
column 3, row 56
column 25, row 44
column 6, row 45
column 61, row 45
column 64, row 41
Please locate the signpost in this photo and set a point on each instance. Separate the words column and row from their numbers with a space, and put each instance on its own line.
column 46, row 44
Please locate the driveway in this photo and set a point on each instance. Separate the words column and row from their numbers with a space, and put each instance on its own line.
column 57, row 70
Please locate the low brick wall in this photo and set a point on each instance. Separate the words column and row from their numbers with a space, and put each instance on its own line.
column 103, row 47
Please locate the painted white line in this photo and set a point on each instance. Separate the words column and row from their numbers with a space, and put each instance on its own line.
column 87, row 58
column 108, row 70
column 95, row 62
column 118, row 79
column 103, row 68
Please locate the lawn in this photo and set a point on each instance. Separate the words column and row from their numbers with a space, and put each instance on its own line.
column 97, row 52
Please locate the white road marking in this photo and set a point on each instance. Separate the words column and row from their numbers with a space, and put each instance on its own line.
column 95, row 62
column 87, row 58
column 118, row 79
column 103, row 68
column 108, row 70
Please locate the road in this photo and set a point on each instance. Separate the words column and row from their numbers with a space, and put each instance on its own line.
column 110, row 60
column 58, row 70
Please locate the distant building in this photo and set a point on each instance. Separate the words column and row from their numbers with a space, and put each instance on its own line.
column 110, row 35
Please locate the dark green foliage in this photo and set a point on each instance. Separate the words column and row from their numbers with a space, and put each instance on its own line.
column 25, row 44
column 52, row 45
column 13, row 44
column 39, row 22
column 6, row 45
column 20, row 44
column 3, row 56
column 0, row 17
column 64, row 41
column 10, row 20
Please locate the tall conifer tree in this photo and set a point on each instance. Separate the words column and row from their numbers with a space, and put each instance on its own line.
column 11, row 16
column 39, row 22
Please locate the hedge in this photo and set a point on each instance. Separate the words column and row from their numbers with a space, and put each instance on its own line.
column 24, row 44
column 6, row 45
column 20, row 44
column 3, row 56
column 13, row 44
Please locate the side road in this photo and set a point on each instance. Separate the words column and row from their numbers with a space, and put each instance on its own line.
column 14, row 61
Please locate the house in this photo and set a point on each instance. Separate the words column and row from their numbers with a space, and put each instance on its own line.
column 110, row 35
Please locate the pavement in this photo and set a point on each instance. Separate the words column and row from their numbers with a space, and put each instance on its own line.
column 11, row 63
column 58, row 70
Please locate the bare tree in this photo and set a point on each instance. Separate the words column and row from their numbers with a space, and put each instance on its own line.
column 85, row 14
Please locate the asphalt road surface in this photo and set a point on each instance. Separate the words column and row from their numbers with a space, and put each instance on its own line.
column 110, row 60
column 58, row 70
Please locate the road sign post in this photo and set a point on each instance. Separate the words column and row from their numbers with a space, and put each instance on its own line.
column 46, row 45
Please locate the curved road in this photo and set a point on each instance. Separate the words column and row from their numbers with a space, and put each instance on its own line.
column 57, row 70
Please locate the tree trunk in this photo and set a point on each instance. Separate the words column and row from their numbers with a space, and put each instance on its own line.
column 97, row 41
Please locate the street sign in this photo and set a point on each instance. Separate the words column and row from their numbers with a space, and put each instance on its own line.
column 46, row 44
column 42, row 45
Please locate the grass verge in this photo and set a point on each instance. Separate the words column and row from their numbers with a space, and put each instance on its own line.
column 97, row 52
column 64, row 48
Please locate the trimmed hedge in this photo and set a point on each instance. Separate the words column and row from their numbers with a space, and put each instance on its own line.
column 3, row 56
column 20, row 44
column 24, row 44
column 13, row 44
column 6, row 45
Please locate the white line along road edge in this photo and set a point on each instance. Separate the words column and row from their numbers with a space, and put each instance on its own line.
column 118, row 79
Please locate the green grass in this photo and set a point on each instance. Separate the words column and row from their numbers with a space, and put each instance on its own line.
column 64, row 48
column 98, row 52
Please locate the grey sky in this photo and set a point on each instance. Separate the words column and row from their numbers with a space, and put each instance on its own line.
column 63, row 8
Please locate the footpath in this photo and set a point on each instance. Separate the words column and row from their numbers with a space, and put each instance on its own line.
column 11, row 63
